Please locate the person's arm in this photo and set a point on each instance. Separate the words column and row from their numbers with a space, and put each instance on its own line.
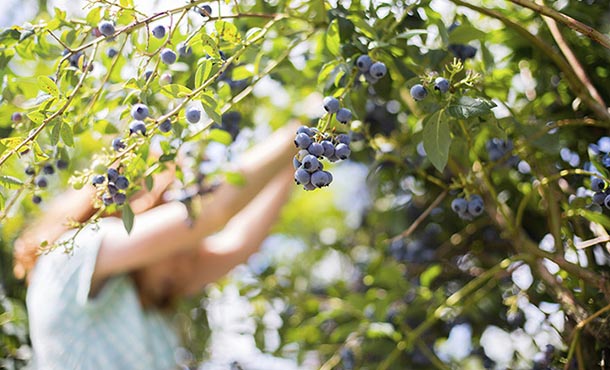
column 242, row 236
column 165, row 230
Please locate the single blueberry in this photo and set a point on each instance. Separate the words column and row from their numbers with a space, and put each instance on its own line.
column 475, row 206
column 343, row 138
column 165, row 79
column 168, row 56
column 597, row 184
column 139, row 112
column 321, row 178
column 315, row 149
column 607, row 201
column 41, row 182
column 121, row 182
column 441, row 84
column 363, row 63
column 301, row 176
column 30, row 170
column 112, row 174
column 310, row 163
column 159, row 31
column 193, row 114
column 305, row 130
column 137, row 127
column 118, row 144
column 165, row 126
column 329, row 148
column 459, row 205
column 344, row 115
column 16, row 117
column 331, row 104
column 48, row 169
column 184, row 50
column 419, row 92
column 309, row 186
column 119, row 198
column 302, row 141
column 98, row 180
column 107, row 199
column 378, row 70
column 599, row 197
column 36, row 199
column 111, row 52
column 342, row 151
column 106, row 28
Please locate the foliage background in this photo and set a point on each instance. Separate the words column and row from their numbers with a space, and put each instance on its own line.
column 378, row 273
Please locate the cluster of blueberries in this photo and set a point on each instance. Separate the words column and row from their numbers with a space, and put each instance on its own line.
column 372, row 71
column 601, row 150
column 116, row 182
column 467, row 209
column 314, row 145
column 419, row 92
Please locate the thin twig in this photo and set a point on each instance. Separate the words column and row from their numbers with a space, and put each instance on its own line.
column 421, row 217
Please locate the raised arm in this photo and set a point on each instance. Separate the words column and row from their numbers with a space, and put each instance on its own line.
column 242, row 236
column 164, row 230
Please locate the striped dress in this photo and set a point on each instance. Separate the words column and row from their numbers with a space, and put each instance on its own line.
column 70, row 330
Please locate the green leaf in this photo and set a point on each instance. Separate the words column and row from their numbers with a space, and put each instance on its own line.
column 203, row 72
column 364, row 27
column 465, row 33
column 10, row 182
column 36, row 117
column 242, row 72
column 427, row 277
column 437, row 140
column 333, row 39
column 149, row 183
column 56, row 127
column 467, row 107
column 47, row 85
column 176, row 90
column 235, row 178
column 220, row 136
column 211, row 108
column 128, row 217
column 326, row 70
column 227, row 31
column 67, row 136
column 94, row 16
column 167, row 157
column 410, row 33
column 209, row 44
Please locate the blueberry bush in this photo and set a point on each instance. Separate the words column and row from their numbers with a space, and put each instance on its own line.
column 478, row 238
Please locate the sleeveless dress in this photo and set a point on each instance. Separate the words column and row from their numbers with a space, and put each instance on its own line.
column 71, row 330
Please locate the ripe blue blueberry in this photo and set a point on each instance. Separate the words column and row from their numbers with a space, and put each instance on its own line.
column 301, row 176
column 106, row 28
column 159, row 31
column 119, row 198
column 342, row 151
column 48, row 169
column 139, row 112
column 147, row 75
column 301, row 154
column 204, row 10
column 607, row 201
column 597, row 184
column 321, row 178
column 184, row 50
column 112, row 189
column 378, row 70
column 111, row 52
column 606, row 161
column 165, row 126
column 343, row 138
column 475, row 205
column 599, row 197
column 441, row 84
column 329, row 148
column 61, row 164
column 41, row 182
column 121, row 182
column 363, row 63
column 302, row 141
column 112, row 174
column 193, row 114
column 107, row 199
column 168, row 56
column 98, row 180
column 315, row 149
column 16, row 117
column 118, row 144
column 30, row 170
column 309, row 186
column 165, row 79
column 418, row 92
column 344, row 115
column 36, row 199
column 137, row 127
column 305, row 130
column 331, row 104
column 459, row 205
column 310, row 163
column 295, row 162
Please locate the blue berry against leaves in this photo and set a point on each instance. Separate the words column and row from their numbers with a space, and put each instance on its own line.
column 118, row 144
column 599, row 197
column 331, row 104
column 165, row 79
column 310, row 163
column 147, row 75
column 41, row 182
column 119, row 198
column 378, row 70
column 475, row 206
column 343, row 138
column 121, row 182
column 112, row 189
column 48, row 169
column 598, row 184
column 137, row 127
column 363, row 63
column 321, row 178
column 98, row 180
column 302, row 141
column 112, row 174
column 301, row 176
column 106, row 28
column 315, row 149
column 193, row 114
column 107, row 199
column 342, row 151
column 16, row 117
column 184, row 50
column 61, row 164
column 419, row 92
column 36, row 199
column 441, row 84
column 111, row 52
column 139, row 112
column 165, row 126
column 459, row 205
column 344, row 115
column 30, row 170
column 168, row 56
column 159, row 31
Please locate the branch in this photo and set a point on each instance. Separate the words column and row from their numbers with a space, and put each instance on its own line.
column 588, row 31
column 421, row 217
